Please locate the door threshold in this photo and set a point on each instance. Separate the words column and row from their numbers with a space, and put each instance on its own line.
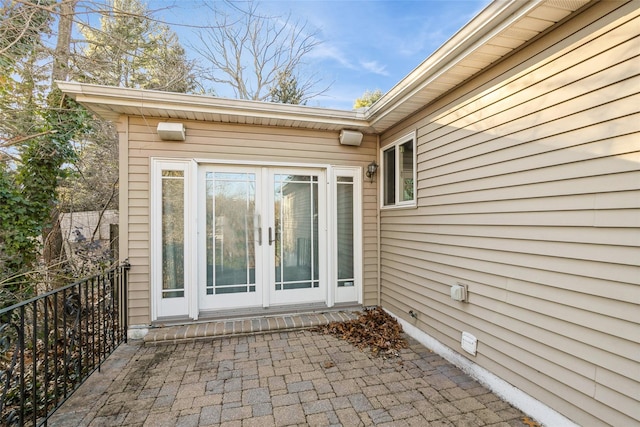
column 253, row 312
column 275, row 310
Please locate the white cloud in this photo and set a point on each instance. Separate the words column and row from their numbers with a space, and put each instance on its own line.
column 325, row 51
column 374, row 67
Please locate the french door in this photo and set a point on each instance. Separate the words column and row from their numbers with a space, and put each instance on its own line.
column 263, row 236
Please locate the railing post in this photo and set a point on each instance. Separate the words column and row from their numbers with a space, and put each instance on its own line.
column 126, row 266
column 21, row 340
column 45, row 337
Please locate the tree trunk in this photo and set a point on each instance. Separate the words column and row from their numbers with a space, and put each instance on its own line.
column 53, row 251
column 63, row 45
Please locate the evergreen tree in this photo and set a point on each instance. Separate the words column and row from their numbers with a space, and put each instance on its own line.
column 130, row 49
column 286, row 90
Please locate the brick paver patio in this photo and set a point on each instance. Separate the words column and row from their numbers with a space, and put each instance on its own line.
column 278, row 379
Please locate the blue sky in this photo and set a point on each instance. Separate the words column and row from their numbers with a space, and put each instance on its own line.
column 365, row 44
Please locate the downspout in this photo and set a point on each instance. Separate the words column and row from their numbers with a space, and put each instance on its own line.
column 378, row 245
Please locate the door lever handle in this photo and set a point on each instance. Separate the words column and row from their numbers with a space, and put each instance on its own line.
column 259, row 236
column 271, row 237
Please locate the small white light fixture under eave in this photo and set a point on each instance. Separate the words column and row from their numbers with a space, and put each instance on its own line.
column 171, row 131
column 350, row 137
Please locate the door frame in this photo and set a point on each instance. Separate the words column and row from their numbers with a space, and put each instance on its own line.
column 195, row 221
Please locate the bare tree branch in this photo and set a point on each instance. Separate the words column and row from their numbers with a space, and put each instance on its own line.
column 249, row 52
column 20, row 139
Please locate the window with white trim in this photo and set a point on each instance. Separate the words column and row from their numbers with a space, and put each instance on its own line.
column 171, row 237
column 399, row 172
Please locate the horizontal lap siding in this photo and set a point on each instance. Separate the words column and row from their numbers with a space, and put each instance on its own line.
column 237, row 143
column 529, row 193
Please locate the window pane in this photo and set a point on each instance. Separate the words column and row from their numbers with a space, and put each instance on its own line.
column 389, row 184
column 406, row 171
column 345, row 232
column 230, row 231
column 296, row 222
column 174, row 174
column 172, row 234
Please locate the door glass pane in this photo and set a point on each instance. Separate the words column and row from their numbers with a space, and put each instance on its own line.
column 296, row 232
column 389, row 161
column 172, row 234
column 231, row 208
column 345, row 236
column 406, row 171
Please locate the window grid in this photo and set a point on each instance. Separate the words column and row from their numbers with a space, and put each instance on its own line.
column 399, row 172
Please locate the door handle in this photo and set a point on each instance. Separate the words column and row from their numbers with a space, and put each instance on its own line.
column 271, row 237
column 259, row 236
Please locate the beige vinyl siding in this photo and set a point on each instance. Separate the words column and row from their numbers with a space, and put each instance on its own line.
column 236, row 143
column 529, row 193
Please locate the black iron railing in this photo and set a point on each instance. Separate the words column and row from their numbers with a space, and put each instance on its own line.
column 51, row 343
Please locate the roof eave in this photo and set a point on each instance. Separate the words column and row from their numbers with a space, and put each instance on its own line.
column 110, row 102
column 494, row 18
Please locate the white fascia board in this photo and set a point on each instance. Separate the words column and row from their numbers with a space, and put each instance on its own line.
column 495, row 18
column 147, row 99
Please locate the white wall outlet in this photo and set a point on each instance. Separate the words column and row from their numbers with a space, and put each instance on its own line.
column 469, row 343
column 459, row 292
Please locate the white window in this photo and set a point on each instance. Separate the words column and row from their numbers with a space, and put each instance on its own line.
column 171, row 237
column 399, row 172
column 347, row 240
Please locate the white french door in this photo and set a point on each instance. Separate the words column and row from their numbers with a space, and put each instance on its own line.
column 263, row 236
column 296, row 236
column 230, row 251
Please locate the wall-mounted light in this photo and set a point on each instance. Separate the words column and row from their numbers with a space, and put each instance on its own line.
column 171, row 131
column 350, row 137
column 372, row 168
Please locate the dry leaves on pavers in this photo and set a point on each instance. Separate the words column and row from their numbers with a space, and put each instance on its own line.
column 374, row 329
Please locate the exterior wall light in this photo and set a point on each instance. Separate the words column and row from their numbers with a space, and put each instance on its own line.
column 350, row 137
column 372, row 168
column 171, row 131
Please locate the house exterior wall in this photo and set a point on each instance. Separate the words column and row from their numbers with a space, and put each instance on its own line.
column 529, row 193
column 229, row 143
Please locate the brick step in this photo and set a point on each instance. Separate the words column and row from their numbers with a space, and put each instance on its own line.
column 246, row 326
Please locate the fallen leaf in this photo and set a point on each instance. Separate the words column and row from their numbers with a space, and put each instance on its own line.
column 374, row 329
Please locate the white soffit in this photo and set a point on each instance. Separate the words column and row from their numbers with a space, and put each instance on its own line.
column 498, row 30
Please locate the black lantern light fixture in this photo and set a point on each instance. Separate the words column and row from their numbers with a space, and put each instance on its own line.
column 372, row 168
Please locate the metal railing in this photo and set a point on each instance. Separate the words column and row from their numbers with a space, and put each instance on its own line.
column 51, row 343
